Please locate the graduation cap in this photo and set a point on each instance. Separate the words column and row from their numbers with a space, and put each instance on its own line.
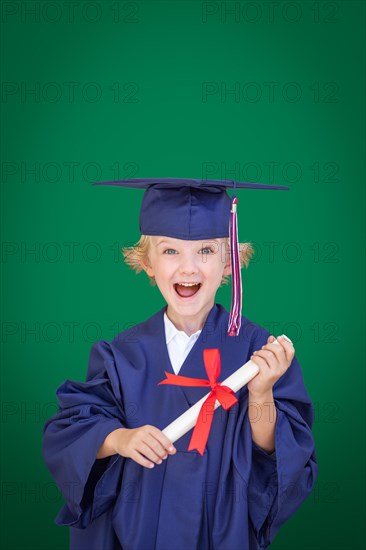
column 191, row 209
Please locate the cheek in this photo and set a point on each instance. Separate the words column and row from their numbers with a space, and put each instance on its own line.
column 163, row 273
column 214, row 272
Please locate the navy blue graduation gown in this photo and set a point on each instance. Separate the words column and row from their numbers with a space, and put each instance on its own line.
column 235, row 497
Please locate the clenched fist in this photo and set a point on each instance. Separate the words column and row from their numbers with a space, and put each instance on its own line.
column 146, row 445
column 273, row 361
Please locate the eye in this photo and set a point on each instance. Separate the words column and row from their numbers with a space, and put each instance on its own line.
column 170, row 251
column 207, row 250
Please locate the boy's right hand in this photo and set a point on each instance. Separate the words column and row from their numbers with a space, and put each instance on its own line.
column 146, row 445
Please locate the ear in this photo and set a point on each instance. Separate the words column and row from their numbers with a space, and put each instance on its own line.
column 145, row 264
column 227, row 269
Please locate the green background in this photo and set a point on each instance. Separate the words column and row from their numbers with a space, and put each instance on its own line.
column 142, row 89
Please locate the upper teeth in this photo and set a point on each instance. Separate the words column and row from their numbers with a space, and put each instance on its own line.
column 189, row 284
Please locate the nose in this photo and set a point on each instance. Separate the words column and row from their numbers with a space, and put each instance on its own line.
column 189, row 263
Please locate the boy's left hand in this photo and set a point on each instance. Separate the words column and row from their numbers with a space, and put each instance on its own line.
column 273, row 361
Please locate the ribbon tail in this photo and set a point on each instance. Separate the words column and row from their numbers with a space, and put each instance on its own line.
column 203, row 425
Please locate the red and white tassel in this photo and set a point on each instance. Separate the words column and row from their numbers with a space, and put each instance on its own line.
column 236, row 286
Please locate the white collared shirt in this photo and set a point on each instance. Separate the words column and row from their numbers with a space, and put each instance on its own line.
column 179, row 344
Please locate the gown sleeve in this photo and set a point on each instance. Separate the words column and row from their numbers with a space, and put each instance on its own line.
column 281, row 481
column 87, row 413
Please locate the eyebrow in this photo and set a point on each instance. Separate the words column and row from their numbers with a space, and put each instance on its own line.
column 204, row 243
column 163, row 242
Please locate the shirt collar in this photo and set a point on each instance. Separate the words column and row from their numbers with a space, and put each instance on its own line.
column 171, row 331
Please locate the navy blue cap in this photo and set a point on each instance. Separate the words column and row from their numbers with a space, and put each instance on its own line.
column 187, row 209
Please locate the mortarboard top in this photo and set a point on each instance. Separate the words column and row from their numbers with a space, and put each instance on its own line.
column 192, row 209
column 186, row 209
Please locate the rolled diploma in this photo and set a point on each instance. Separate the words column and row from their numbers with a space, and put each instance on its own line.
column 235, row 381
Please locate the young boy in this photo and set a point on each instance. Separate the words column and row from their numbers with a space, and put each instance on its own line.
column 125, row 484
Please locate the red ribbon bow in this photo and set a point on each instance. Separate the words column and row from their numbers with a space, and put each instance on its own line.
column 223, row 394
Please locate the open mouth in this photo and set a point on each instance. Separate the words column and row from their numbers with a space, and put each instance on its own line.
column 187, row 290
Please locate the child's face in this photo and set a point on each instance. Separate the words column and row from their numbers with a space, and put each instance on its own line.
column 176, row 264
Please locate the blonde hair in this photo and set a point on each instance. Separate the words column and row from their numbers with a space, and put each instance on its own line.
column 135, row 255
